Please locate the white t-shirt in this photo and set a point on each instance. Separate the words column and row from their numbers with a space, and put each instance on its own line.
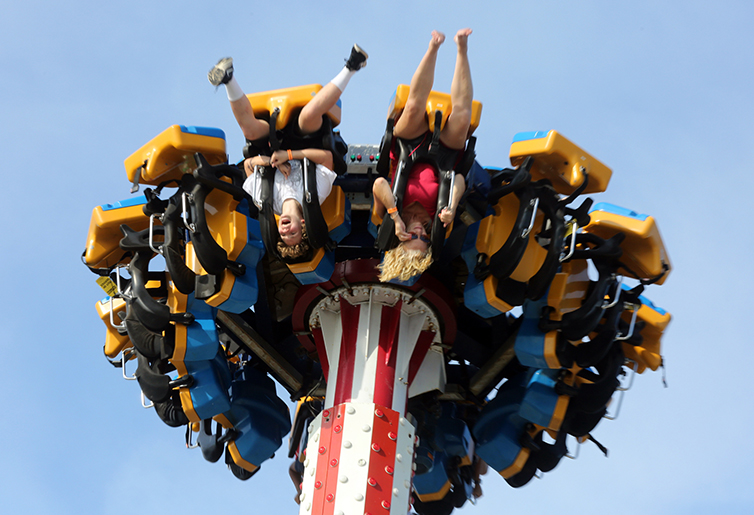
column 291, row 187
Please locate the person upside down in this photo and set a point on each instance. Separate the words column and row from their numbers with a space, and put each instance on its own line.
column 413, row 224
column 288, row 189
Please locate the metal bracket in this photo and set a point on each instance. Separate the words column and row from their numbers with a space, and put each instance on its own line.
column 534, row 202
column 185, row 198
column 157, row 250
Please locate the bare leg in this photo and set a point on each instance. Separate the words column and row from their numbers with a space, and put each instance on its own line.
column 461, row 95
column 252, row 127
column 412, row 122
column 310, row 119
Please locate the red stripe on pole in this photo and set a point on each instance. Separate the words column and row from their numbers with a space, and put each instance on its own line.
column 384, row 382
column 381, row 462
column 324, row 449
column 349, row 319
column 332, row 462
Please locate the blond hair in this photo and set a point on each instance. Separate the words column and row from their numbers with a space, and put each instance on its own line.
column 403, row 264
column 297, row 250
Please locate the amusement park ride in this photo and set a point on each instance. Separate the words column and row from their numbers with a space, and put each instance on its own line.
column 529, row 321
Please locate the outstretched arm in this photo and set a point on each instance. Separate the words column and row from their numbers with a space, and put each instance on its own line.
column 384, row 201
column 449, row 213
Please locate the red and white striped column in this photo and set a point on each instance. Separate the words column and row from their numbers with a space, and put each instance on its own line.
column 372, row 341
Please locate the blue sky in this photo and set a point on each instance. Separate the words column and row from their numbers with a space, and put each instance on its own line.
column 660, row 91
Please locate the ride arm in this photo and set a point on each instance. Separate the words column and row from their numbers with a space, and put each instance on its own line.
column 459, row 187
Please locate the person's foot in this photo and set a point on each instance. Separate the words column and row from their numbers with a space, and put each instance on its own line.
column 438, row 38
column 358, row 58
column 461, row 38
column 222, row 72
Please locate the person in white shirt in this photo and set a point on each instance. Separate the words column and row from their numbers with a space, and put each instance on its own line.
column 288, row 189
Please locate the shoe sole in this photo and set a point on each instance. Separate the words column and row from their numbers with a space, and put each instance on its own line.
column 362, row 52
column 219, row 71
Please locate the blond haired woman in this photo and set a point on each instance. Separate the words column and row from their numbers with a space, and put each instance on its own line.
column 413, row 224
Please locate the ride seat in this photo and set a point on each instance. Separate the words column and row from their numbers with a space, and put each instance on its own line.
column 289, row 101
column 559, row 160
column 258, row 417
column 170, row 154
column 108, row 310
column 102, row 241
column 437, row 101
column 644, row 254
column 197, row 353
column 655, row 321
column 486, row 238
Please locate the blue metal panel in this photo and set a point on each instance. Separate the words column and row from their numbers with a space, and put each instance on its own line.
column 499, row 427
column 526, row 136
column 321, row 273
column 134, row 201
column 203, row 131
column 209, row 392
column 201, row 336
column 540, row 399
column 530, row 340
column 246, row 288
column 617, row 210
column 258, row 414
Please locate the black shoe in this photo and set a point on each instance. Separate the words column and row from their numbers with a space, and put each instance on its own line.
column 358, row 58
column 222, row 72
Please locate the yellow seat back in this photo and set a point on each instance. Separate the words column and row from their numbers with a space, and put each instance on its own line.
column 437, row 101
column 559, row 160
column 170, row 154
column 289, row 101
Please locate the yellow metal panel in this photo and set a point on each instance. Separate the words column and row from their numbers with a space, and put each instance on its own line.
column 643, row 249
column 170, row 154
column 308, row 266
column 562, row 162
column 229, row 280
column 550, row 347
column 290, row 101
column 186, row 403
column 561, row 406
column 436, row 101
column 334, row 208
column 495, row 229
column 114, row 341
column 435, row 496
column 102, row 249
column 518, row 464
column 227, row 226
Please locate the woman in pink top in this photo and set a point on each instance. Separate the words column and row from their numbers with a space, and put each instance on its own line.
column 413, row 224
